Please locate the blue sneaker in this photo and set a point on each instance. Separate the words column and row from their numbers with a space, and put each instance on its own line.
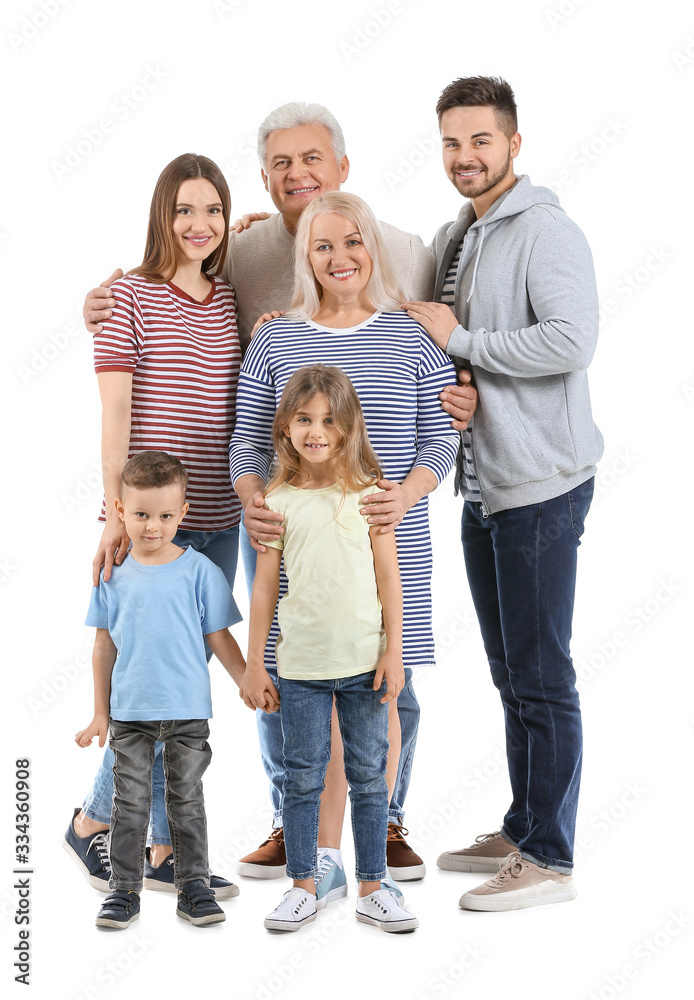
column 120, row 908
column 196, row 903
column 330, row 879
column 91, row 854
column 161, row 879
column 389, row 885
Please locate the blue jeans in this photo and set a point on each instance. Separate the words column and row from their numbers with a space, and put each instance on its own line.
column 270, row 726
column 222, row 548
column 186, row 756
column 521, row 566
column 306, row 711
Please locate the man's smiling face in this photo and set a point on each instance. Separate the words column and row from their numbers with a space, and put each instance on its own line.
column 477, row 155
column 300, row 165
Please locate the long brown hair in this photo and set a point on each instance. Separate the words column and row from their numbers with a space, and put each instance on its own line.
column 356, row 464
column 159, row 263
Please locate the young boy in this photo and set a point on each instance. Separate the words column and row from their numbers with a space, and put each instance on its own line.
column 151, row 682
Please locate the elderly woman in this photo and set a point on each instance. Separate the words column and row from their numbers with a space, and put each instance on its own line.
column 346, row 312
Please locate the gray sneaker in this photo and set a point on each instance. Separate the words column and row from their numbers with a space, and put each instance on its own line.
column 487, row 854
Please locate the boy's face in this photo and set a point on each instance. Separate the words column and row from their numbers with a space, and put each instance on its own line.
column 151, row 518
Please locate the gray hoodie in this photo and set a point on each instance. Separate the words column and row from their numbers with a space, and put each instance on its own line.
column 527, row 305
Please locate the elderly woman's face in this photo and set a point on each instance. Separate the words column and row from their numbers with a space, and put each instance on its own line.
column 338, row 257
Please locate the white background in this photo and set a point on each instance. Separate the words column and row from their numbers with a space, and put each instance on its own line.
column 604, row 95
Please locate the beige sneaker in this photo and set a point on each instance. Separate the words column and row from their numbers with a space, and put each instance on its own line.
column 487, row 854
column 518, row 884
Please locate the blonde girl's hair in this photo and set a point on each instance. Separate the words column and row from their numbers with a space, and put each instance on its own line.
column 160, row 260
column 356, row 464
column 382, row 288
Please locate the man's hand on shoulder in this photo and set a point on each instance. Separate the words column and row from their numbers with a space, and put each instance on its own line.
column 246, row 221
column 437, row 318
column 99, row 303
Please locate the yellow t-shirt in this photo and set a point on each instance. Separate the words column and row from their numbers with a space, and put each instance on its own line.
column 330, row 618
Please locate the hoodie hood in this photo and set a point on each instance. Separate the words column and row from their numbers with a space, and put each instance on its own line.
column 522, row 196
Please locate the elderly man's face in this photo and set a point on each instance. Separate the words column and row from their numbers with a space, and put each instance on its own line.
column 300, row 165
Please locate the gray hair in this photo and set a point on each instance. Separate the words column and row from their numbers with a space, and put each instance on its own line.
column 295, row 115
column 383, row 288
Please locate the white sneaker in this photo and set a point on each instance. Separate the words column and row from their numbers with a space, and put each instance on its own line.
column 383, row 909
column 297, row 908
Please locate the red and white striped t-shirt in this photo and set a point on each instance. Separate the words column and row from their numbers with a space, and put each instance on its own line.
column 184, row 356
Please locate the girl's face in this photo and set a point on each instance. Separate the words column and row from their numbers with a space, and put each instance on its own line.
column 312, row 432
column 337, row 255
column 198, row 225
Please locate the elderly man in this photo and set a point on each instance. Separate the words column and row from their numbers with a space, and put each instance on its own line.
column 302, row 153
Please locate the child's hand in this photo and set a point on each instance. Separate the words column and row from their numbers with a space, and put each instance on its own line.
column 390, row 667
column 97, row 727
column 258, row 691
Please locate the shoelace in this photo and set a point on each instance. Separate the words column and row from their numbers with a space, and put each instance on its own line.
column 487, row 836
column 396, row 832
column 512, row 867
column 100, row 844
column 277, row 835
column 325, row 863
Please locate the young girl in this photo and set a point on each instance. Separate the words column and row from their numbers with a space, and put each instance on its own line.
column 340, row 634
column 167, row 362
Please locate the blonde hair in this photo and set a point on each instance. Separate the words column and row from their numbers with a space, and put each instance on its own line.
column 356, row 464
column 382, row 288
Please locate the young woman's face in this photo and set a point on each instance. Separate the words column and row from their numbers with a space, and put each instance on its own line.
column 337, row 255
column 198, row 225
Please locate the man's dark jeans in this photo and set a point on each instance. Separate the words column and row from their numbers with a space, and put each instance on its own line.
column 521, row 566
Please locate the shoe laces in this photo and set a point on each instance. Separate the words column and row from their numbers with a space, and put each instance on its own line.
column 277, row 835
column 484, row 837
column 325, row 864
column 511, row 867
column 100, row 844
column 396, row 832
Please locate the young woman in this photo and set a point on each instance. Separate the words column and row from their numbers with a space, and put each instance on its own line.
column 346, row 312
column 167, row 362
column 340, row 635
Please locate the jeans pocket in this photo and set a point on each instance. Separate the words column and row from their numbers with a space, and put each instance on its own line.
column 579, row 504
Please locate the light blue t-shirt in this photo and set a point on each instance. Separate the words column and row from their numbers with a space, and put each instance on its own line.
column 157, row 617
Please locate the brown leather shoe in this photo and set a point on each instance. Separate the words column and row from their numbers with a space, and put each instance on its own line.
column 269, row 861
column 403, row 864
column 487, row 854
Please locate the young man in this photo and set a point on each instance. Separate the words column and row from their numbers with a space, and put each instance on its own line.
column 302, row 153
column 517, row 303
column 151, row 683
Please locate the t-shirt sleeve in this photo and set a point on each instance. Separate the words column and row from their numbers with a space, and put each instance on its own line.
column 217, row 605
column 117, row 347
column 272, row 504
column 97, row 615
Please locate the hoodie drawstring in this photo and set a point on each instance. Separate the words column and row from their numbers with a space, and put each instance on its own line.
column 477, row 260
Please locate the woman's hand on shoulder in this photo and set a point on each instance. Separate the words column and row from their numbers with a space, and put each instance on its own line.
column 113, row 548
column 265, row 318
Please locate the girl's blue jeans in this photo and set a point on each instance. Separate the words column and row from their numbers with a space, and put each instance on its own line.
column 221, row 547
column 306, row 711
